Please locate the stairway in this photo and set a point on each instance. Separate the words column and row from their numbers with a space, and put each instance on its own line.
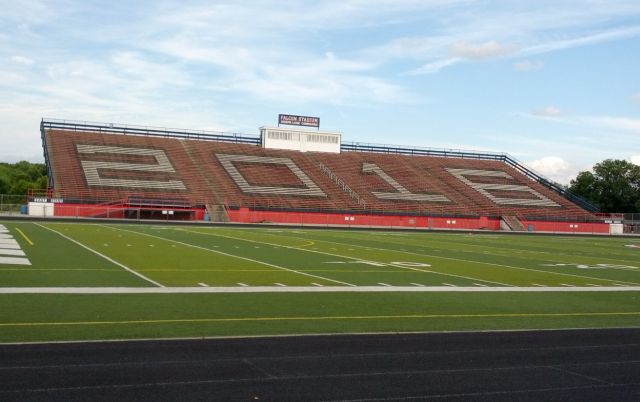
column 217, row 213
column 511, row 223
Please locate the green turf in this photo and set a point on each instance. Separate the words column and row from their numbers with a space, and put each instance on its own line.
column 77, row 317
column 110, row 255
column 189, row 256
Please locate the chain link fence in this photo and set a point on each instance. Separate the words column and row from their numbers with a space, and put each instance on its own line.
column 11, row 204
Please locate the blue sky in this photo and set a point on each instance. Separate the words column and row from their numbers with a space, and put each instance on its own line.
column 556, row 84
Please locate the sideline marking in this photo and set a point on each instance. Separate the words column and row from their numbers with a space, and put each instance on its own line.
column 321, row 318
column 228, row 255
column 304, row 289
column 480, row 262
column 24, row 236
column 347, row 257
column 103, row 256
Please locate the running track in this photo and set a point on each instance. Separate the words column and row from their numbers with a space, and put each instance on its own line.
column 581, row 365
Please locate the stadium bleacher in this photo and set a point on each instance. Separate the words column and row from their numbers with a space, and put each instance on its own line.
column 94, row 164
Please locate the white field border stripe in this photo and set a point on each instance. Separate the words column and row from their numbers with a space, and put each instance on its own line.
column 480, row 262
column 228, row 255
column 347, row 257
column 103, row 256
column 316, row 289
column 554, row 253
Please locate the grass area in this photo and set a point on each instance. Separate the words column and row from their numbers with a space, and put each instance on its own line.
column 80, row 317
column 119, row 255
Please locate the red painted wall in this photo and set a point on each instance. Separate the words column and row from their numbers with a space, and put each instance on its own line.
column 245, row 215
column 112, row 211
column 568, row 227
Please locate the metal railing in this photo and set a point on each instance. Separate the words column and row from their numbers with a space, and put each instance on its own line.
column 467, row 154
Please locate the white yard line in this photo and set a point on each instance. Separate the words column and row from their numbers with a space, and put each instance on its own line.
column 480, row 262
column 139, row 275
column 347, row 257
column 304, row 289
column 229, row 255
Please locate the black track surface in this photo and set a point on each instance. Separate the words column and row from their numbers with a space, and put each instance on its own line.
column 578, row 365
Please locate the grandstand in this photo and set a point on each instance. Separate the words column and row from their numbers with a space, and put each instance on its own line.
column 107, row 170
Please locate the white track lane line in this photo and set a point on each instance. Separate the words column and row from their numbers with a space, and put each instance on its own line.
column 103, row 256
column 229, row 255
column 347, row 257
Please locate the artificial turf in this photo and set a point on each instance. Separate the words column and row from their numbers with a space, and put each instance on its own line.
column 110, row 255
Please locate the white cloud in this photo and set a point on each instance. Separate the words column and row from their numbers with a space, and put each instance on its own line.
column 22, row 60
column 528, row 65
column 615, row 123
column 547, row 111
column 583, row 40
column 635, row 159
column 481, row 51
column 555, row 168
column 636, row 97
column 436, row 66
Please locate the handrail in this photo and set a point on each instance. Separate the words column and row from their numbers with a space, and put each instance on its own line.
column 52, row 124
column 457, row 153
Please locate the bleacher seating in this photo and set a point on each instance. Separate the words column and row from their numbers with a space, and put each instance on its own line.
column 100, row 167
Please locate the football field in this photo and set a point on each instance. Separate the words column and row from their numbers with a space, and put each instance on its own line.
column 106, row 280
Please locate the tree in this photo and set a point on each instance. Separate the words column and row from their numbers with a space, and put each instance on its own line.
column 19, row 177
column 614, row 186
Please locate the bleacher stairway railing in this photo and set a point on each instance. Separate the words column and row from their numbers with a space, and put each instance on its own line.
column 452, row 153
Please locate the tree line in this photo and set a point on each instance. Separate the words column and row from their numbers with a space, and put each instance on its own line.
column 17, row 178
column 612, row 186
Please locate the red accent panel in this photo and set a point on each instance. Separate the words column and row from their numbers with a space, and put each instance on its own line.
column 114, row 211
column 245, row 215
column 567, row 227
